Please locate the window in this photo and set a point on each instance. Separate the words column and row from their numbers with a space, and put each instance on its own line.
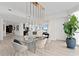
column 45, row 27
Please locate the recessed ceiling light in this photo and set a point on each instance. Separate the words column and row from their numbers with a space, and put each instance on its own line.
column 9, row 9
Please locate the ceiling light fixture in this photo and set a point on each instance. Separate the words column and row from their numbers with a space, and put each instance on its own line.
column 9, row 9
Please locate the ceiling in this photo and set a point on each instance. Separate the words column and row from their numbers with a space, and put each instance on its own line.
column 16, row 12
column 57, row 9
column 13, row 12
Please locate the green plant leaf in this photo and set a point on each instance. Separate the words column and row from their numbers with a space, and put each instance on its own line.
column 71, row 26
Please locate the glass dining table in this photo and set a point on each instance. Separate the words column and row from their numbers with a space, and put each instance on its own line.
column 32, row 42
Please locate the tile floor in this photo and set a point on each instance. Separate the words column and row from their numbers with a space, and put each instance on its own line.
column 53, row 48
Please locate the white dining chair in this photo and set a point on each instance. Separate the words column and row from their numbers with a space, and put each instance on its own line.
column 20, row 49
column 41, row 43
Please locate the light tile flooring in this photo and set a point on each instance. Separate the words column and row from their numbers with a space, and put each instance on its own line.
column 53, row 48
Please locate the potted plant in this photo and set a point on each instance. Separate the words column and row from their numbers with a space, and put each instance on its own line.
column 70, row 28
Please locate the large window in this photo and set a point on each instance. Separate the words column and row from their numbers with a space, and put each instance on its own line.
column 43, row 27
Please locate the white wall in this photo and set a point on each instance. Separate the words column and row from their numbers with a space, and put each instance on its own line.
column 51, row 29
column 1, row 29
column 4, row 29
column 77, row 38
column 21, row 29
column 56, row 29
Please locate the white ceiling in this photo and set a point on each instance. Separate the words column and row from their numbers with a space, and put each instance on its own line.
column 19, row 6
column 57, row 9
column 20, row 10
column 17, row 13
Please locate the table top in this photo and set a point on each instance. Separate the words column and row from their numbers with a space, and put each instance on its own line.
column 32, row 39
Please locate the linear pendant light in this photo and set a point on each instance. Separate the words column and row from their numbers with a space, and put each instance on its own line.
column 38, row 5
